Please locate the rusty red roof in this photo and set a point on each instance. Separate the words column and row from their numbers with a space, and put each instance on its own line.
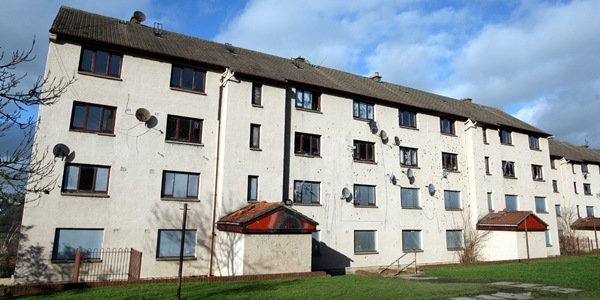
column 512, row 221
column 267, row 217
column 588, row 223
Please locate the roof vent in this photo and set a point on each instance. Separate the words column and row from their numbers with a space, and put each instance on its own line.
column 376, row 77
column 138, row 17
column 230, row 48
column 297, row 61
column 468, row 100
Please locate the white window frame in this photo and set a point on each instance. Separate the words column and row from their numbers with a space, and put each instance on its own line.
column 173, row 237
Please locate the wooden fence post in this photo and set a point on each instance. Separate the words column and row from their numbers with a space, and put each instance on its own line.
column 76, row 266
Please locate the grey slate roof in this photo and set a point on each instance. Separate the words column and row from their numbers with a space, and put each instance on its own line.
column 572, row 152
column 95, row 29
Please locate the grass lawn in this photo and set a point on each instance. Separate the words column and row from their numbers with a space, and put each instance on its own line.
column 576, row 272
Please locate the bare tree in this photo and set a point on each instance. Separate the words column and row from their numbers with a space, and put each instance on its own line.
column 474, row 241
column 25, row 168
column 568, row 237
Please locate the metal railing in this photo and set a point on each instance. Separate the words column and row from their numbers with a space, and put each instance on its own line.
column 119, row 264
column 398, row 269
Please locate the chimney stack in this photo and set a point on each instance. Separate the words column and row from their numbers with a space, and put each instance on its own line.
column 468, row 100
column 376, row 77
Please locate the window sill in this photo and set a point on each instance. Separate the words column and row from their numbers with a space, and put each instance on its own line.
column 307, row 155
column 408, row 127
column 535, row 149
column 409, row 166
column 548, row 245
column 306, row 204
column 365, row 206
column 452, row 171
column 413, row 251
column 541, row 212
column 257, row 105
column 489, row 174
column 201, row 145
column 503, row 144
column 175, row 258
column 255, row 149
column 455, row 249
column 412, row 207
column 187, row 91
column 99, row 75
column 180, row 199
column 91, row 195
column 454, row 209
column 587, row 194
column 365, row 162
column 486, row 143
column 309, row 110
column 556, row 192
column 449, row 134
column 364, row 120
column 510, row 177
column 366, row 253
column 539, row 180
column 93, row 132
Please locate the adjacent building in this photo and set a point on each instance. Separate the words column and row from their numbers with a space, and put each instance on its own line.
column 156, row 119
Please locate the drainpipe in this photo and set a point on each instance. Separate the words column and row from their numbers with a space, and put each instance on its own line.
column 224, row 79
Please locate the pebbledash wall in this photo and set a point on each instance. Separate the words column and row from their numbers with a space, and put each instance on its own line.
column 342, row 152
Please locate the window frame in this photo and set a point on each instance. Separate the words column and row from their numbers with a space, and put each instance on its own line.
column 87, row 253
column 316, row 243
column 508, row 197
column 94, row 62
column 548, row 238
column 356, row 113
column 584, row 168
column 311, row 188
column 406, row 152
column 189, row 242
column 490, row 201
column 182, row 85
column 486, row 161
column 541, row 206
column 418, row 240
column 460, row 239
column 505, row 137
column 537, row 172
column 407, row 118
column 315, row 100
column 508, row 169
column 371, row 200
column 101, row 123
column 534, row 142
column 300, row 139
column 447, row 126
column 411, row 203
column 66, row 182
column 589, row 210
column 450, row 203
column 575, row 187
column 252, row 184
column 555, row 186
column 557, row 210
column 255, row 99
column 372, row 249
column 587, row 189
column 364, row 151
column 178, row 129
column 189, row 180
column 450, row 162
column 254, row 136
column 485, row 137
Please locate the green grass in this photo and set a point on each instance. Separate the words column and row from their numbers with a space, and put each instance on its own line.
column 575, row 272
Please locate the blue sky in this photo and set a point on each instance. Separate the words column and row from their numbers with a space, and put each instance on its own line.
column 537, row 60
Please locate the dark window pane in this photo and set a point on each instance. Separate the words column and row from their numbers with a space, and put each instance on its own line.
column 315, row 145
column 168, row 182
column 115, row 65
column 86, row 60
column 196, row 129
column 199, row 83
column 86, row 179
column 108, row 120
column 171, row 128
column 184, row 130
column 78, row 116
column 188, row 78
column 93, row 118
column 101, row 63
column 176, row 76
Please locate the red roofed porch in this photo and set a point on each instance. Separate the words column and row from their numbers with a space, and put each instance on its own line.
column 512, row 221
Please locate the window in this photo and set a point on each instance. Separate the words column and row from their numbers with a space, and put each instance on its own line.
column 452, row 200
column 447, row 126
column 449, row 162
column 411, row 240
column 409, row 198
column 485, row 139
column 256, row 94
column 364, row 195
column 540, row 205
column 536, row 172
column 490, row 201
column 169, row 243
column 575, row 187
column 573, row 168
column 86, row 179
column 548, row 240
column 307, row 99
column 511, row 202
column 505, row 137
column 555, row 186
column 100, row 62
column 180, row 185
column 252, row 188
column 408, row 157
column 584, row 168
column 557, row 210
column 183, row 129
column 67, row 241
column 306, row 192
column 364, row 241
column 454, row 239
column 364, row 151
column 508, row 168
column 487, row 165
column 307, row 144
column 552, row 163
column 590, row 211
column 316, row 243
column 587, row 189
column 407, row 118
column 534, row 142
column 255, row 136
column 362, row 110
column 93, row 118
column 187, row 78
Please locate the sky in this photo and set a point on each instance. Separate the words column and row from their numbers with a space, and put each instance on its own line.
column 537, row 60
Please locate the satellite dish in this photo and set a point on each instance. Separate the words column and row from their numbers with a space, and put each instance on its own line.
column 152, row 122
column 61, row 150
column 410, row 173
column 397, row 141
column 373, row 126
column 384, row 137
column 393, row 179
column 346, row 194
column 431, row 189
column 140, row 16
column 142, row 114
